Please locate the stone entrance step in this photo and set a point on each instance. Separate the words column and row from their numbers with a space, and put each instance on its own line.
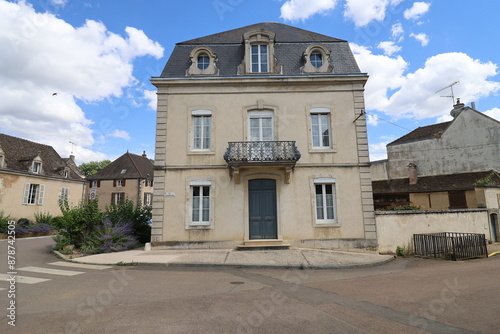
column 263, row 244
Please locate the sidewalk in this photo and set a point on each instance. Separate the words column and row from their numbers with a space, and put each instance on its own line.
column 293, row 258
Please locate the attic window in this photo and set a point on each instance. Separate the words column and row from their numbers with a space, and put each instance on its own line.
column 37, row 167
column 259, row 53
column 316, row 60
column 2, row 160
column 123, row 171
column 202, row 60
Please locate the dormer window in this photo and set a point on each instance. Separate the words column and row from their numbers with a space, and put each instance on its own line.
column 260, row 58
column 202, row 60
column 37, row 167
column 259, row 53
column 316, row 60
column 2, row 160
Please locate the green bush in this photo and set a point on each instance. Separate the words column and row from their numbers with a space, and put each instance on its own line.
column 78, row 222
column 401, row 251
column 139, row 216
column 4, row 222
column 43, row 218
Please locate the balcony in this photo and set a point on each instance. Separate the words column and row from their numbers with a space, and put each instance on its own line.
column 262, row 153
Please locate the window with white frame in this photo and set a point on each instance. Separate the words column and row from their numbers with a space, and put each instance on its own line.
column 203, row 61
column 33, row 194
column 64, row 195
column 200, row 202
column 148, row 199
column 202, row 130
column 260, row 58
column 37, row 167
column 320, row 127
column 149, row 183
column 261, row 126
column 316, row 59
column 95, row 184
column 120, row 183
column 325, row 201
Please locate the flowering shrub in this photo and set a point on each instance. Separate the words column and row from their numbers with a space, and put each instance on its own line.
column 109, row 237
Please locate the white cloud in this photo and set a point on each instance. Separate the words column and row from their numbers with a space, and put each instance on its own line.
column 372, row 119
column 413, row 95
column 120, row 134
column 422, row 38
column 378, row 151
column 493, row 113
column 59, row 2
column 41, row 55
column 417, row 10
column 363, row 12
column 150, row 96
column 389, row 47
column 301, row 10
column 385, row 73
column 397, row 31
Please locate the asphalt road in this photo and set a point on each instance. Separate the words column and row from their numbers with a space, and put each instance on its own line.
column 403, row 296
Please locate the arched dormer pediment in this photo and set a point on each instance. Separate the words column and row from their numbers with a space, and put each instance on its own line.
column 202, row 60
column 259, row 53
column 317, row 60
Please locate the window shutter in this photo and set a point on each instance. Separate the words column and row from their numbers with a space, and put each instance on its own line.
column 113, row 198
column 41, row 194
column 98, row 183
column 26, row 193
column 114, row 183
column 123, row 183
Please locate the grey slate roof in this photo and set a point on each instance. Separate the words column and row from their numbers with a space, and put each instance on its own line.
column 290, row 44
column 423, row 132
column 135, row 166
column 19, row 155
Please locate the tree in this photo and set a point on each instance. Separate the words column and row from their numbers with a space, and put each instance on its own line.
column 92, row 167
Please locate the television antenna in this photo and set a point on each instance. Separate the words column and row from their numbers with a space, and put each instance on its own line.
column 72, row 146
column 451, row 88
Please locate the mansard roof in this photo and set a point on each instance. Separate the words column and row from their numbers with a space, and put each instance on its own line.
column 289, row 46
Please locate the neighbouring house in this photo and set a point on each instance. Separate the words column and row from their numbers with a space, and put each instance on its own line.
column 34, row 178
column 261, row 141
column 449, row 165
column 128, row 177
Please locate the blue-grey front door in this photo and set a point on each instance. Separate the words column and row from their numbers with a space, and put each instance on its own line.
column 262, row 209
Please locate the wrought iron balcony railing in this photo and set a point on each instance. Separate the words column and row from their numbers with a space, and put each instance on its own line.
column 256, row 152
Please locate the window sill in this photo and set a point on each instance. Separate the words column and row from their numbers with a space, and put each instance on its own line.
column 315, row 150
column 199, row 227
column 326, row 224
column 201, row 152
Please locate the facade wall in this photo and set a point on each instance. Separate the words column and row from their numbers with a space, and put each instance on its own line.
column 176, row 165
column 397, row 228
column 12, row 187
column 461, row 148
column 134, row 190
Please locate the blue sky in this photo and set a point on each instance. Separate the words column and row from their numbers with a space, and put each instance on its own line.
column 98, row 56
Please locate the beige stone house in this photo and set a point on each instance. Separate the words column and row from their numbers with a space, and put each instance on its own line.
column 33, row 178
column 128, row 177
column 261, row 140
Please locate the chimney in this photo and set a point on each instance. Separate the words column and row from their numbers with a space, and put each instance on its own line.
column 412, row 173
column 144, row 154
column 72, row 157
column 457, row 109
